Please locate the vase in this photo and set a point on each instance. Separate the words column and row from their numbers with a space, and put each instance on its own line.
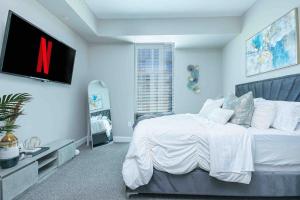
column 9, row 151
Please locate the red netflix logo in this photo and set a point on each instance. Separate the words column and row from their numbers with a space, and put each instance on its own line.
column 44, row 56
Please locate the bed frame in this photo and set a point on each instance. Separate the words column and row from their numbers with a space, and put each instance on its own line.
column 286, row 88
column 263, row 184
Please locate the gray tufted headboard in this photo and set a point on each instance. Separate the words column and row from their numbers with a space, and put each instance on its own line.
column 286, row 88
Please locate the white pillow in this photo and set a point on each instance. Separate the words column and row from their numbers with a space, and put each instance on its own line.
column 220, row 115
column 209, row 106
column 259, row 99
column 287, row 115
column 298, row 129
column 264, row 114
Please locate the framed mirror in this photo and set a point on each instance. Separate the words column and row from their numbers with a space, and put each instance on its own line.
column 99, row 114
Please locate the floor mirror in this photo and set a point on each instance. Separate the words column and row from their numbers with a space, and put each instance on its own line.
column 99, row 114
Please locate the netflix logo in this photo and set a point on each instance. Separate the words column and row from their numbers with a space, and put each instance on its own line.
column 44, row 56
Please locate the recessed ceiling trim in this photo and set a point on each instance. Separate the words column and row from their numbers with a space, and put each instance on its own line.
column 146, row 9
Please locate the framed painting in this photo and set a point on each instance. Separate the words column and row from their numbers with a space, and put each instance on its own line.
column 275, row 47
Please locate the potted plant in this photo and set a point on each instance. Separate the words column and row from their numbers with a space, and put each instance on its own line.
column 10, row 109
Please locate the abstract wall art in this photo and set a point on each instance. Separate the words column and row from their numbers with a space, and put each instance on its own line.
column 275, row 47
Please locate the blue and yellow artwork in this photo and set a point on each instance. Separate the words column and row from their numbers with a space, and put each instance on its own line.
column 275, row 47
column 95, row 101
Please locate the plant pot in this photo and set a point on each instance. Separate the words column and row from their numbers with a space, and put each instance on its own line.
column 9, row 151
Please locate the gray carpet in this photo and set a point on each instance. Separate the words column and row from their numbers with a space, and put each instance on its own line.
column 93, row 175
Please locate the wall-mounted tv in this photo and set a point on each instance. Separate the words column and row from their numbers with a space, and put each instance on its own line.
column 28, row 51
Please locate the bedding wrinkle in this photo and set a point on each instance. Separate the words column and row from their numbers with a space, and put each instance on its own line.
column 231, row 154
column 178, row 144
column 139, row 165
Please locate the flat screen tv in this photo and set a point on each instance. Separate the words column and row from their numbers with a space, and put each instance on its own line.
column 28, row 51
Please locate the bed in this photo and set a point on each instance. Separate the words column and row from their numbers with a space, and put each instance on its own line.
column 268, row 180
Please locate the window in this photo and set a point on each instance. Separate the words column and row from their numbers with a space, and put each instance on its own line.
column 154, row 78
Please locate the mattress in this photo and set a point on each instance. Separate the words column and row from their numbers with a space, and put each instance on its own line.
column 276, row 150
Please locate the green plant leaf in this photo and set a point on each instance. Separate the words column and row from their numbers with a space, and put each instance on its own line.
column 11, row 108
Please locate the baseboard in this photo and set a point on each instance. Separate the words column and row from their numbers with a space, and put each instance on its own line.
column 117, row 139
column 121, row 139
column 80, row 142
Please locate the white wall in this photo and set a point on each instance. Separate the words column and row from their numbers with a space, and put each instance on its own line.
column 209, row 61
column 114, row 64
column 57, row 111
column 262, row 14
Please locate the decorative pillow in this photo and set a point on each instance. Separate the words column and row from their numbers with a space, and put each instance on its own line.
column 264, row 114
column 209, row 106
column 220, row 115
column 221, row 101
column 243, row 108
column 287, row 115
column 230, row 102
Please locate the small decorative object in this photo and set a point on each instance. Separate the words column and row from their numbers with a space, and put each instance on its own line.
column 32, row 143
column 193, row 79
column 274, row 47
column 77, row 152
column 31, row 147
column 10, row 109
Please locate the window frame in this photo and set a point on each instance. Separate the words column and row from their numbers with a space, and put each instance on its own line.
column 151, row 45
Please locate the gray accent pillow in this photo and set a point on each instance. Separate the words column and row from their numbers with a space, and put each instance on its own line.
column 243, row 108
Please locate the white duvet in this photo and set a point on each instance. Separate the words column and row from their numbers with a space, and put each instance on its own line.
column 178, row 144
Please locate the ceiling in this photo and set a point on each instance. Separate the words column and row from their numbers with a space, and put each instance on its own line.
column 133, row 9
column 187, row 23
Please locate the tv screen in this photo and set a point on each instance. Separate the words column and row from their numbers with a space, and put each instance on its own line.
column 29, row 51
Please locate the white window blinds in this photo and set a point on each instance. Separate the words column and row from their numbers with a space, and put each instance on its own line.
column 154, row 78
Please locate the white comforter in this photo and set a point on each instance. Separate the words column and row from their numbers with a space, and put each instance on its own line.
column 178, row 144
